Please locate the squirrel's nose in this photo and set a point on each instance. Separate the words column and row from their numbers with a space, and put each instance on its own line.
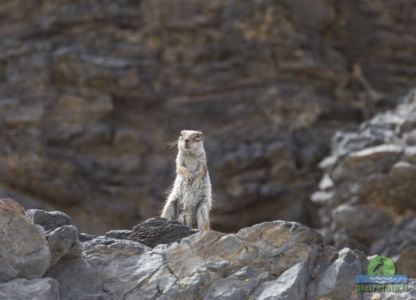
column 187, row 140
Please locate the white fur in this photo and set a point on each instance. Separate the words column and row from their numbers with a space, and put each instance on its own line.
column 190, row 201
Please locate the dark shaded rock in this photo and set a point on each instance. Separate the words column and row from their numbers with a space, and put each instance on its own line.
column 78, row 280
column 118, row 234
column 23, row 289
column 84, row 237
column 49, row 220
column 158, row 230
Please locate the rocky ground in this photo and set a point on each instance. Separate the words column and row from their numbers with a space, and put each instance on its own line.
column 44, row 257
column 367, row 194
column 92, row 91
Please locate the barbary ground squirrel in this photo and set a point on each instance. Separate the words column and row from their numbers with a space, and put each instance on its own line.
column 190, row 199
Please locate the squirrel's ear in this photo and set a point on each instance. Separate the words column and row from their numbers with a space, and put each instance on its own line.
column 201, row 135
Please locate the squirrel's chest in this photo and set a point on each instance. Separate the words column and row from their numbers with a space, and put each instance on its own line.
column 192, row 165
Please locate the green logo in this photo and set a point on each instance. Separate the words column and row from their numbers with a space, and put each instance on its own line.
column 381, row 266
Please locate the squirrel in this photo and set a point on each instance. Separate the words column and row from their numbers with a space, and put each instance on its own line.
column 190, row 199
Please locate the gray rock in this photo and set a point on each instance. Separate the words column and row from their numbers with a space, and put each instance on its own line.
column 103, row 241
column 63, row 241
column 108, row 269
column 24, row 251
column 7, row 272
column 238, row 285
column 292, row 284
column 36, row 289
column 271, row 260
column 78, row 280
column 118, row 234
column 338, row 280
column 49, row 220
column 363, row 222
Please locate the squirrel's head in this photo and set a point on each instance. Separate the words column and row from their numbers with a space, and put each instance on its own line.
column 191, row 142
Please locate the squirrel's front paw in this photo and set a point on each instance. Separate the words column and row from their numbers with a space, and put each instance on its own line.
column 190, row 178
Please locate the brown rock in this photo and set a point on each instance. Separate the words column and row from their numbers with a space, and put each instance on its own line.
column 24, row 251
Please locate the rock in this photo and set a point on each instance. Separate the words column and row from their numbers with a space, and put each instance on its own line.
column 364, row 223
column 338, row 280
column 61, row 233
column 49, row 220
column 292, row 284
column 22, row 289
column 406, row 262
column 62, row 242
column 238, row 285
column 268, row 260
column 114, row 243
column 86, row 110
column 24, row 251
column 399, row 243
column 157, row 231
column 7, row 272
column 369, row 204
column 118, row 234
column 108, row 269
column 84, row 237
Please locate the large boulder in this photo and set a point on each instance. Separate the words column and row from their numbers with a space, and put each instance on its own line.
column 24, row 251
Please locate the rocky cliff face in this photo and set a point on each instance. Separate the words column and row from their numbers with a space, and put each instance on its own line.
column 90, row 93
column 368, row 191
